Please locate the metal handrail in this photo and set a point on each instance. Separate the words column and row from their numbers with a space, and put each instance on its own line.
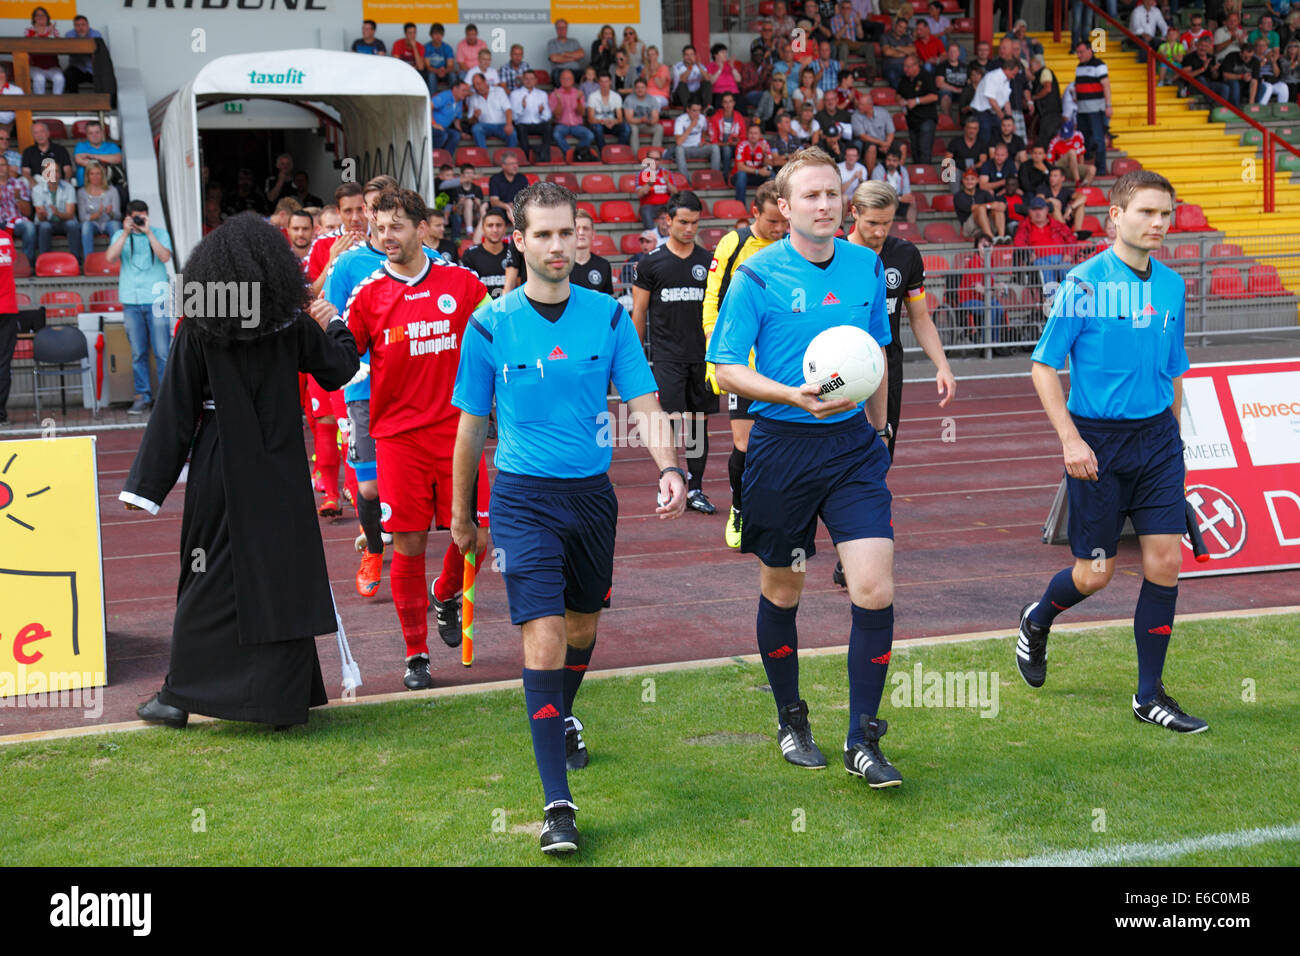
column 1270, row 140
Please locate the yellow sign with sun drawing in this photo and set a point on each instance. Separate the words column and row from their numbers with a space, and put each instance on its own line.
column 51, row 574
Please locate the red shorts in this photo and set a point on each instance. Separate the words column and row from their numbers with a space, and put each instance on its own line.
column 415, row 482
column 323, row 403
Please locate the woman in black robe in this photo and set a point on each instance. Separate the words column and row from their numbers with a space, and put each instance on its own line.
column 254, row 590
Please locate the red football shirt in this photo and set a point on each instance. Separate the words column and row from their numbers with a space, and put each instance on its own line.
column 658, row 178
column 413, row 329
column 319, row 256
column 8, row 294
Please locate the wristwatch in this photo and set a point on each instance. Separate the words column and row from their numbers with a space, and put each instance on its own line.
column 673, row 468
column 886, row 433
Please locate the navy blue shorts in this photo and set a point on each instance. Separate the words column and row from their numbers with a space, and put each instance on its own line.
column 556, row 541
column 1140, row 475
column 797, row 472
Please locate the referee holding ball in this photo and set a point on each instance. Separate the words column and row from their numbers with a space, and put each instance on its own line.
column 811, row 459
column 1119, row 317
column 547, row 351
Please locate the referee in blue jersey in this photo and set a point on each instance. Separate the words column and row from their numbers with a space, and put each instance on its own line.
column 547, row 351
column 811, row 459
column 1119, row 318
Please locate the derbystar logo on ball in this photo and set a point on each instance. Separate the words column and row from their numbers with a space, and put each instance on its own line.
column 844, row 361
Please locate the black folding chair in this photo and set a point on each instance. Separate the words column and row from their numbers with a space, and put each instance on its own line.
column 55, row 348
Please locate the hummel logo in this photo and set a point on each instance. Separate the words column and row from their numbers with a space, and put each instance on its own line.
column 1162, row 629
column 830, row 299
column 783, row 651
column 557, row 353
column 882, row 659
column 547, row 711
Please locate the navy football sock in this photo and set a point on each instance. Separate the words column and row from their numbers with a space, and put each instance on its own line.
column 544, row 698
column 736, row 472
column 778, row 642
column 1060, row 594
column 575, row 668
column 870, row 642
column 1153, row 622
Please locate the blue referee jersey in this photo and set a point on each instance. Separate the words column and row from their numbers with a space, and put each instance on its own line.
column 778, row 303
column 550, row 380
column 1122, row 334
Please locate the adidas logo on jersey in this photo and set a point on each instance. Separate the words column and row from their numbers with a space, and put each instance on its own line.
column 830, row 299
column 557, row 353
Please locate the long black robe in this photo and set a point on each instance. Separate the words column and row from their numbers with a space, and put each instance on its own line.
column 251, row 602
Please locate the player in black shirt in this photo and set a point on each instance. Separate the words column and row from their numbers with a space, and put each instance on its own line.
column 668, row 308
column 438, row 236
column 488, row 258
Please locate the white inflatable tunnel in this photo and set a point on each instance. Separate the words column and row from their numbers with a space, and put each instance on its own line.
column 382, row 103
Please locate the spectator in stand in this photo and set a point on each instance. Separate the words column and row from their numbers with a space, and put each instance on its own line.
column 641, row 113
column 1049, row 241
column 1237, row 70
column 44, row 66
column 1066, row 205
column 99, row 209
column 1015, row 145
column 603, row 49
column 980, row 216
column 1019, row 100
column 805, row 128
column 505, row 185
column 448, row 107
column 1033, row 174
column 1230, row 37
column 1148, row 24
column 785, row 66
column 1066, row 150
column 727, row 129
column 7, row 89
column 689, row 80
column 754, row 81
column 588, row 85
column 826, row 69
column 808, row 91
column 1172, row 50
column 469, row 203
column 246, row 197
column 302, row 190
column 938, row 23
column 852, row 174
column 274, row 188
column 835, row 116
column 16, row 207
column 893, row 171
column 998, row 175
column 691, row 139
column 950, row 77
column 895, row 45
column 467, row 49
column 784, row 145
column 512, row 74
column 1092, row 95
column 872, row 129
column 567, row 108
column 212, row 219
column 633, row 47
column 657, row 75
column 1290, row 67
column 721, row 73
column 54, row 205
column 992, row 99
column 753, row 162
column 846, row 31
column 1029, row 47
column 1045, row 93
column 621, row 74
column 94, row 148
column 1266, row 76
column 490, row 114
column 439, row 60
column 484, row 69
column 369, row 43
column 411, row 51
column 832, row 143
column 920, row 102
column 81, row 66
column 929, row 48
column 1201, row 64
column 605, row 113
column 532, row 112
column 34, row 156
column 782, row 22
column 144, row 251
column 963, row 106
column 776, row 100
column 654, row 186
column 969, row 150
column 1265, row 30
column 983, row 57
column 764, row 44
column 564, row 53
column 1195, row 30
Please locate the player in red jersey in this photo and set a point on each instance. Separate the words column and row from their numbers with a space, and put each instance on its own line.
column 411, row 314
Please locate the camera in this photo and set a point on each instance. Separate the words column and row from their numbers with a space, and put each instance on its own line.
column 138, row 220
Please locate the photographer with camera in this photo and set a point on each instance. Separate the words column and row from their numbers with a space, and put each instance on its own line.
column 144, row 251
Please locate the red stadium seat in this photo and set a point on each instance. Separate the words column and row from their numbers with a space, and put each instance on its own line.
column 97, row 264
column 484, row 183
column 1188, row 250
column 1124, row 165
column 603, row 245
column 920, row 202
column 900, row 123
column 616, row 153
column 942, row 202
column 79, row 128
column 567, row 180
column 465, row 244
column 645, row 151
column 935, row 265
column 532, row 178
column 729, row 209
column 953, row 6
column 946, row 124
column 598, row 183
column 909, row 231
column 932, row 302
column 572, row 152
column 1002, row 259
column 61, row 303
column 57, row 264
column 680, row 181
column 707, row 179
column 1189, row 218
column 942, row 232
column 442, row 158
column 1225, row 282
column 704, row 209
column 765, row 8
column 667, row 126
column 519, row 154
column 22, row 267
column 472, row 155
column 884, row 96
column 25, row 301
column 1263, row 279
column 1093, row 225
column 23, row 347
column 630, row 243
column 618, row 210
column 1095, row 196
column 105, row 300
column 710, row 235
column 589, row 208
column 923, row 175
column 1163, row 253
column 963, row 25
column 550, row 157
column 57, row 129
column 1225, row 250
column 627, row 183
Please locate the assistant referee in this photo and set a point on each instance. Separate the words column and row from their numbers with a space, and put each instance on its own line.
column 1120, row 318
column 547, row 352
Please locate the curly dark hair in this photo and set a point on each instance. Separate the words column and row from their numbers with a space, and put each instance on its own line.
column 245, row 249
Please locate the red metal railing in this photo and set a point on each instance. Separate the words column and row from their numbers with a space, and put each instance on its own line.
column 1271, row 142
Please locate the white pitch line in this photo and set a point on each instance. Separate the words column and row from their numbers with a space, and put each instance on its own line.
column 1138, row 852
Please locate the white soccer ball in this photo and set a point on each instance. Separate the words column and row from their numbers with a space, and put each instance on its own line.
column 846, row 362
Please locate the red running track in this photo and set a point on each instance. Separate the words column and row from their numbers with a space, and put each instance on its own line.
column 972, row 486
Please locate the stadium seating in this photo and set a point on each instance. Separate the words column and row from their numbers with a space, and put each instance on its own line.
column 24, row 300
column 22, row 267
column 942, row 202
column 909, row 231
column 730, row 209
column 616, row 153
column 618, row 210
column 442, row 158
column 598, row 183
column 589, row 208
column 61, row 303
column 900, row 122
column 568, row 180
column 1189, row 218
column 1225, row 283
column 603, row 245
column 1094, row 196
column 1124, row 165
column 1263, row 279
column 472, row 155
column 923, row 175
column 57, row 264
column 105, row 300
column 707, row 179
column 884, row 96
column 1225, row 250
column 627, row 183
column 630, row 244
column 942, row 232
column 504, row 150
column 97, row 264
column 569, row 158
column 920, row 203
column 708, row 237
column 79, row 128
column 57, row 129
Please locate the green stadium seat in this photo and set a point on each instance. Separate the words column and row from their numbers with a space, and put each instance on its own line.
column 1287, row 162
column 1221, row 114
column 1252, row 137
column 1287, row 111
